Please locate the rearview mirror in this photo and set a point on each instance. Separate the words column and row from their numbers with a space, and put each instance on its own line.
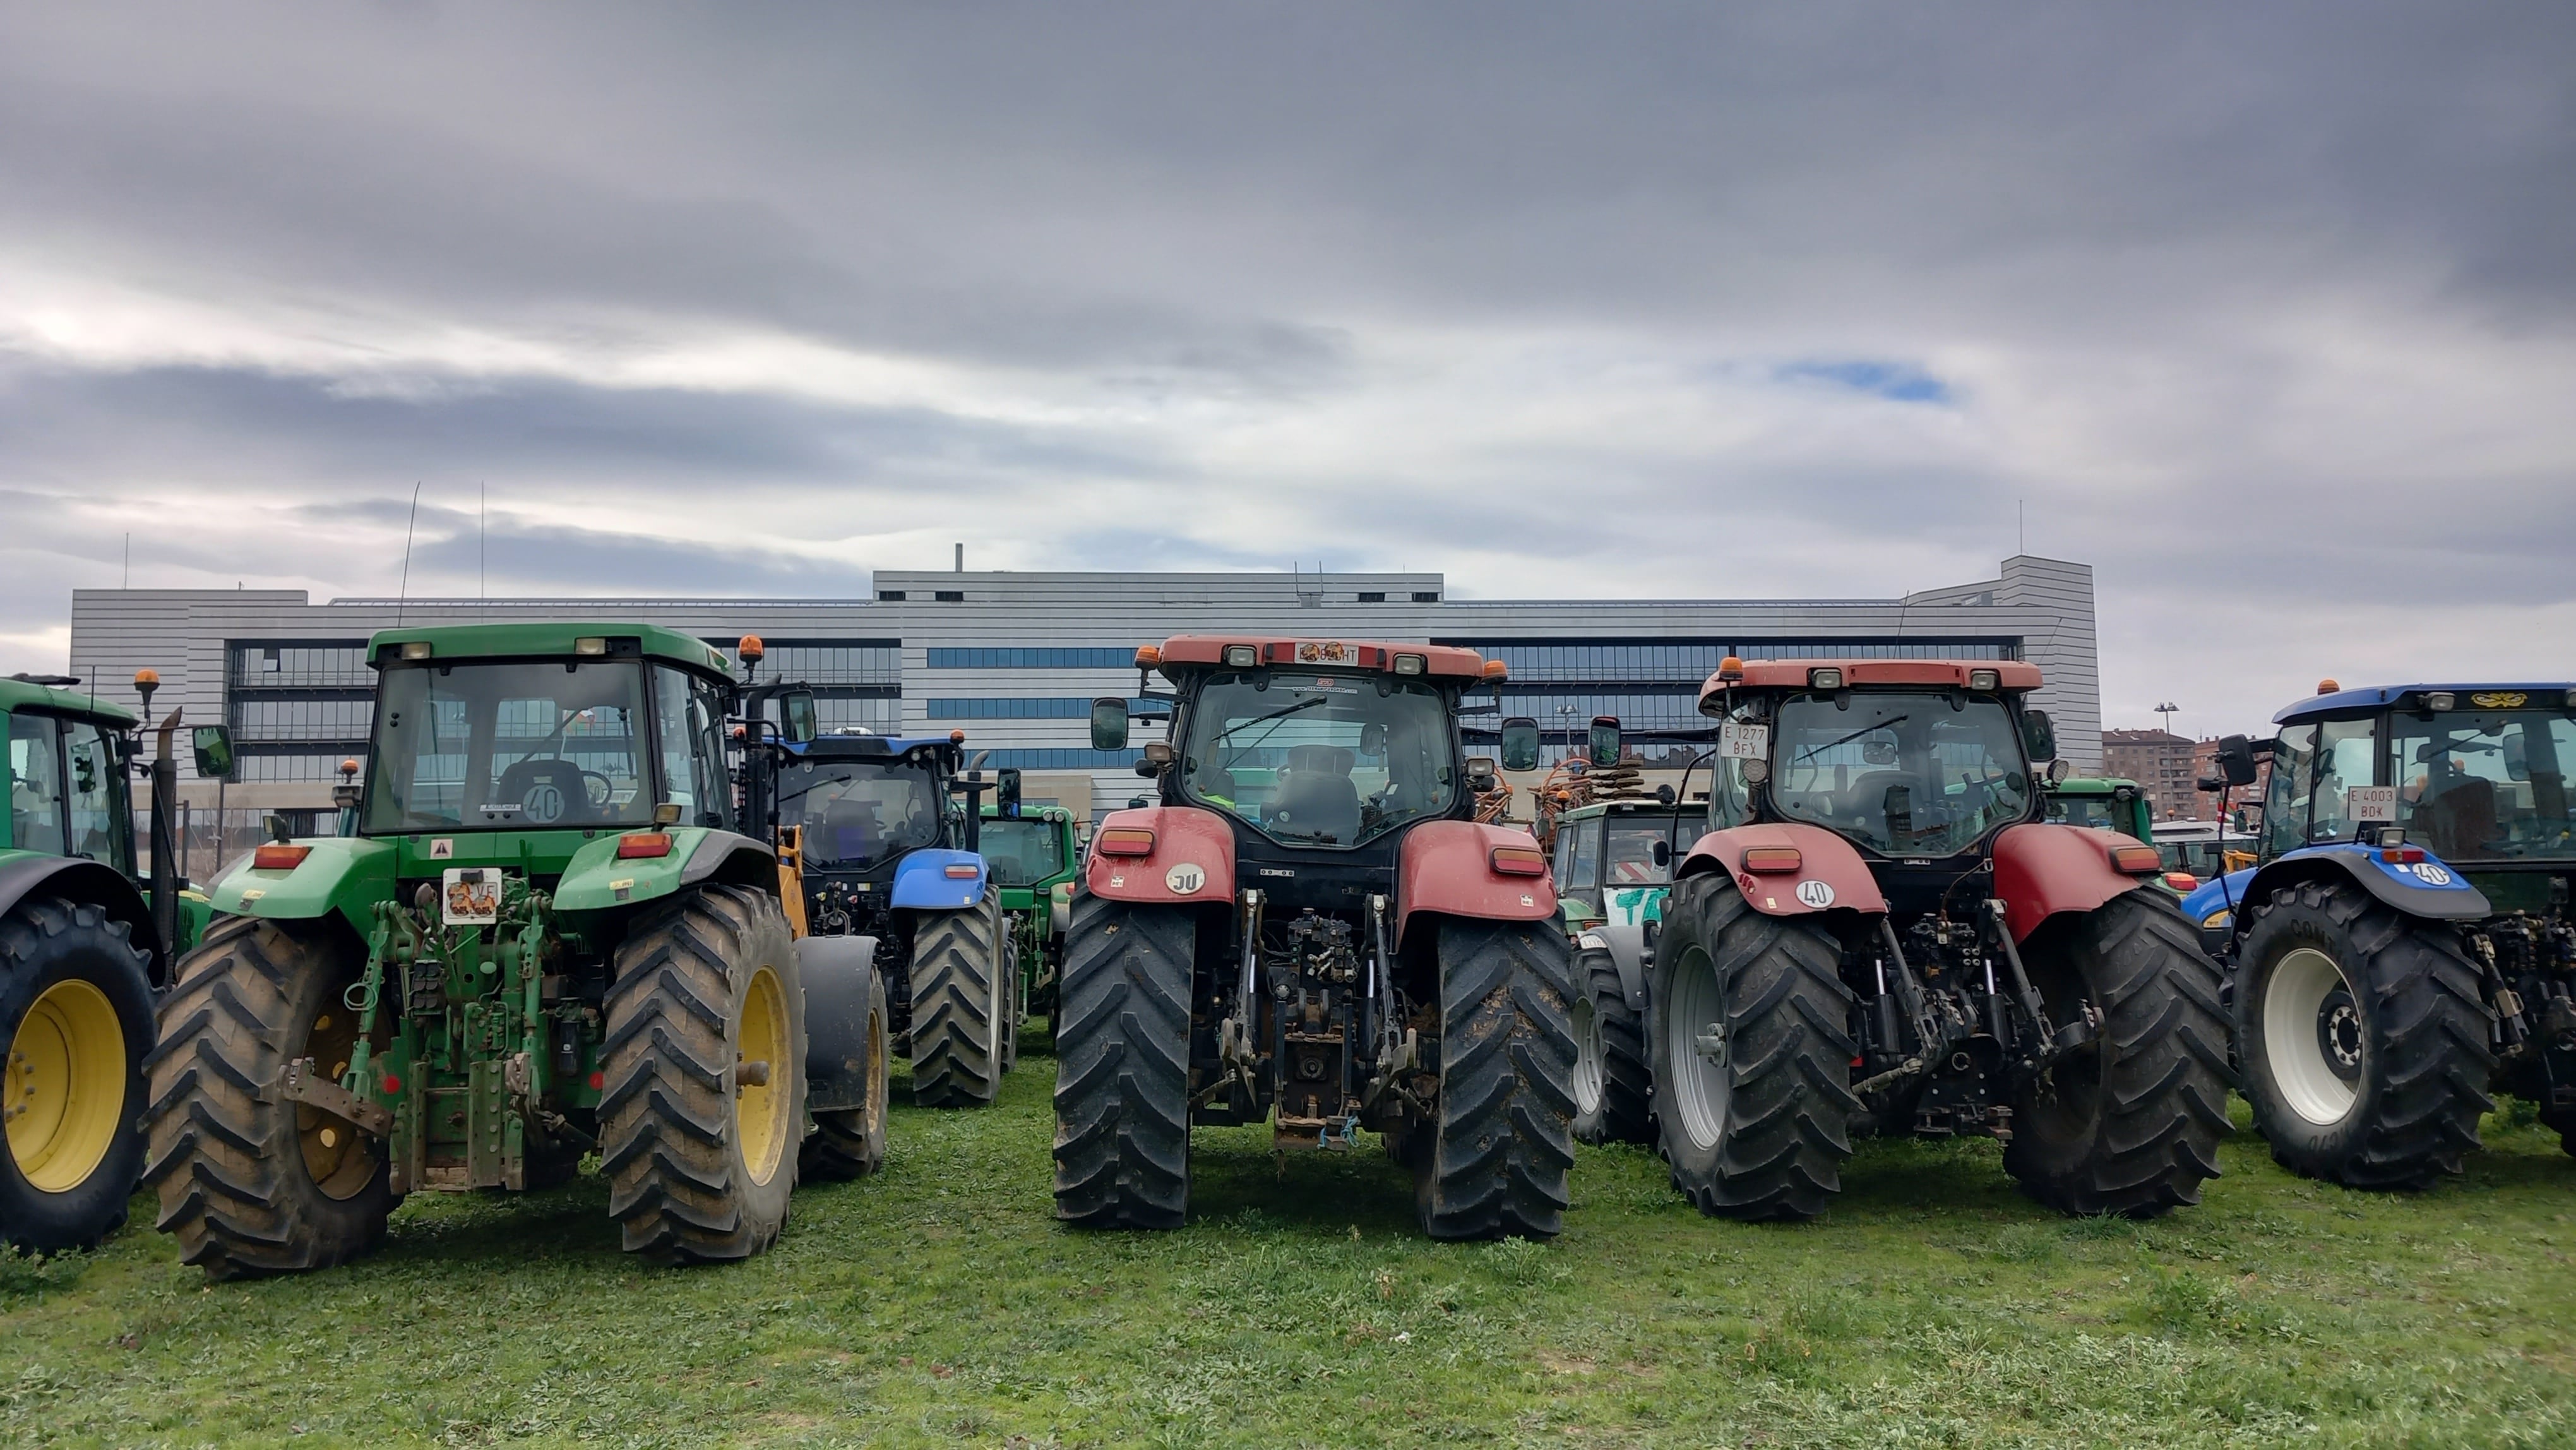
column 1109, row 724
column 214, row 746
column 797, row 717
column 1663, row 853
column 2038, row 735
column 2235, row 758
column 1006, row 790
column 1520, row 744
column 1604, row 741
column 1480, row 773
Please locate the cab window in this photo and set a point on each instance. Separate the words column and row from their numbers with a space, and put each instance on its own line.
column 2285, row 807
column 36, row 784
column 101, row 826
column 1584, row 873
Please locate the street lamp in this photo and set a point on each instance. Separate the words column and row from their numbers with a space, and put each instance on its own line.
column 2168, row 709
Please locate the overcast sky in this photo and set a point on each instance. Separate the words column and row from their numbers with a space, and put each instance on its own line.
column 2266, row 312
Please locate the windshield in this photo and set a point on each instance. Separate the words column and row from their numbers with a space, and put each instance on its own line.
column 1021, row 852
column 1904, row 774
column 1327, row 760
column 2096, row 812
column 2484, row 784
column 1628, row 855
column 503, row 745
column 859, row 812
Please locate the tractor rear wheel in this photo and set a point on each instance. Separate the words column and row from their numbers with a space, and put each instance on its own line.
column 1496, row 1161
column 2562, row 1122
column 1747, row 1023
column 958, row 1004
column 2363, row 1035
column 75, row 1024
column 249, row 1182
column 850, row 1142
column 2128, row 1125
column 1122, row 1075
column 1613, row 1089
column 705, row 1069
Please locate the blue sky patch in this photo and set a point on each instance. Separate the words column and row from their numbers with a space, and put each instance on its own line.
column 1896, row 382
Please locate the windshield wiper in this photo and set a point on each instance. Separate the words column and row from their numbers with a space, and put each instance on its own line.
column 1855, row 735
column 1282, row 711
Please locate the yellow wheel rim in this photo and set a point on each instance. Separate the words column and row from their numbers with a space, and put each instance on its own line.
column 341, row 1160
column 760, row 1110
column 66, row 1086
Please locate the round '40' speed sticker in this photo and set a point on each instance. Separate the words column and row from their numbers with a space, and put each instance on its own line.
column 1815, row 894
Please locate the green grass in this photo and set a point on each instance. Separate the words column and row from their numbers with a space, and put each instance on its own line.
column 939, row 1305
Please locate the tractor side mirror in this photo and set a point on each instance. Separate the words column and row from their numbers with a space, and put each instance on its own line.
column 1663, row 854
column 214, row 746
column 1664, row 796
column 796, row 716
column 1480, row 773
column 2038, row 735
column 1109, row 724
column 2235, row 757
column 1006, row 790
column 1520, row 744
column 1604, row 741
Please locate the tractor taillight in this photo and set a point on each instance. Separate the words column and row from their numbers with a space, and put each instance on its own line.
column 279, row 858
column 644, row 846
column 960, row 873
column 1773, row 860
column 2402, row 855
column 2182, row 881
column 1126, row 841
column 1519, row 861
column 2136, row 860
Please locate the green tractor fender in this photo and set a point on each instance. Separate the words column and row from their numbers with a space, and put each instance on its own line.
column 598, row 879
column 337, row 875
column 77, row 878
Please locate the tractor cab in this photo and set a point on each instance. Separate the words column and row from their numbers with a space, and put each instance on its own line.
column 2102, row 804
column 866, row 807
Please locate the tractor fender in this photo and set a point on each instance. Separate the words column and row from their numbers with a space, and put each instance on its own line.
column 1447, row 868
column 839, row 973
column 922, row 882
column 2043, row 870
column 77, row 878
column 346, row 875
column 1192, row 862
column 1831, row 875
column 598, row 879
column 1626, row 944
column 2429, row 889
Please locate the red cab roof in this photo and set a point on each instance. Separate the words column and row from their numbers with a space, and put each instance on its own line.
column 1350, row 654
column 1862, row 674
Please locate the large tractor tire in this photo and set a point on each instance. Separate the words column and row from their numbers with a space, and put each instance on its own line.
column 1122, row 1075
column 249, row 1182
column 2563, row 1123
column 2363, row 1037
column 2128, row 1126
column 1613, row 1087
column 850, row 1142
column 959, row 1000
column 1747, row 1026
column 1497, row 1159
column 75, row 1026
column 705, row 1070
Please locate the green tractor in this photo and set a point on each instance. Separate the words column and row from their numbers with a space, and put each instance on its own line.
column 547, row 937
column 2103, row 804
column 1612, row 887
column 1035, row 861
column 85, row 941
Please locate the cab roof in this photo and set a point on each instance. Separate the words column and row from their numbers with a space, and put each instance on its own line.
column 1208, row 651
column 874, row 747
column 1637, row 806
column 2010, row 675
column 546, row 638
column 25, row 694
column 2379, row 697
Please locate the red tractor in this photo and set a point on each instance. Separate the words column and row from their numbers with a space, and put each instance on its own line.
column 1310, row 926
column 1880, row 934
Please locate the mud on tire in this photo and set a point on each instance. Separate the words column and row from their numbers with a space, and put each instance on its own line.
column 700, row 1160
column 2381, row 1082
column 2131, row 1125
column 1754, row 1117
column 1613, row 1087
column 958, row 1004
column 76, row 1026
column 1122, row 1086
column 1496, row 1161
column 249, row 1183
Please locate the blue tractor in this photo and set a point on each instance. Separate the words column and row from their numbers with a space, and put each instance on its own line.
column 884, row 831
column 2403, row 945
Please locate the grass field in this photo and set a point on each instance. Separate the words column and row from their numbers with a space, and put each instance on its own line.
column 939, row 1305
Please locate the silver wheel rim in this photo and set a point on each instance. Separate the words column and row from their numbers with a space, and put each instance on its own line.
column 2295, row 1033
column 1587, row 1057
column 1695, row 1046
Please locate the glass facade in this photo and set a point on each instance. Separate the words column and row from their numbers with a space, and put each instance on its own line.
column 1541, row 661
column 1059, row 707
column 1065, row 760
column 825, row 661
column 293, row 665
column 1053, row 657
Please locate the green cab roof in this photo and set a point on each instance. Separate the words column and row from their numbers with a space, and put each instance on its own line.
column 1634, row 806
column 2090, row 785
column 16, row 694
column 544, row 638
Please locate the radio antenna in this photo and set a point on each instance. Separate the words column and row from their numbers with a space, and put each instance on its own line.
column 405, row 592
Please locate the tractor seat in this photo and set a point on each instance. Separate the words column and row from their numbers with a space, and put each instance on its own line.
column 2461, row 820
column 1317, row 803
column 547, row 793
column 849, row 829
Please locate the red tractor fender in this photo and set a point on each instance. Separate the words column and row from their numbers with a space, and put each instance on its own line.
column 1191, row 863
column 1447, row 868
column 1831, row 875
column 2042, row 870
